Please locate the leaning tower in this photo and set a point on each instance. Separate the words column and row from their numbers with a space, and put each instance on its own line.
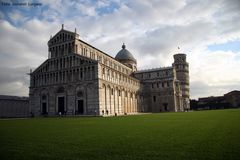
column 182, row 71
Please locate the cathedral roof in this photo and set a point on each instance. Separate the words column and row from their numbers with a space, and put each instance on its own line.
column 154, row 69
column 124, row 54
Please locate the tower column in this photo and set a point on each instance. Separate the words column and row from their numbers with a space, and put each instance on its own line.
column 182, row 74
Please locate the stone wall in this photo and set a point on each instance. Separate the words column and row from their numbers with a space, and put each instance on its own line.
column 160, row 90
column 12, row 106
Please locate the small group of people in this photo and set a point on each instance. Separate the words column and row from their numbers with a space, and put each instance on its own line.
column 107, row 113
column 103, row 112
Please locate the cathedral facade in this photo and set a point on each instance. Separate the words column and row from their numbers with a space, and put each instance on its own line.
column 79, row 79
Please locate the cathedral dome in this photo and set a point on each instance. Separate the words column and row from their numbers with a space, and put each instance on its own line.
column 124, row 55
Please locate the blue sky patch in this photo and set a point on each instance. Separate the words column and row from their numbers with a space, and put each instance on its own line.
column 108, row 9
column 233, row 46
column 24, row 10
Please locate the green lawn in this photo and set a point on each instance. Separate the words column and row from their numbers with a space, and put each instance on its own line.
column 192, row 135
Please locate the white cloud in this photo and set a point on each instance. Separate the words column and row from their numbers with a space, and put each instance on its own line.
column 87, row 10
column 22, row 43
column 101, row 4
column 14, row 80
column 14, row 88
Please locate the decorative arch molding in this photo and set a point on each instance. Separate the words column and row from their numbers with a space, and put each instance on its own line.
column 61, row 99
column 89, row 86
column 81, row 98
column 79, row 87
column 109, row 86
column 103, row 85
column 80, row 93
column 34, row 91
column 44, row 91
column 60, row 89
column 70, row 88
column 44, row 98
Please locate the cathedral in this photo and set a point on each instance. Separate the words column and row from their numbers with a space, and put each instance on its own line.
column 79, row 79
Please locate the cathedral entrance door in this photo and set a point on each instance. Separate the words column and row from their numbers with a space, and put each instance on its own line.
column 61, row 105
column 165, row 106
column 80, row 107
column 44, row 108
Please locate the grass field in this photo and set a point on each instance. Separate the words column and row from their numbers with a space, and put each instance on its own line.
column 192, row 135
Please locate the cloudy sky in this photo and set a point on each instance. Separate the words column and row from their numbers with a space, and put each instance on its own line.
column 208, row 31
